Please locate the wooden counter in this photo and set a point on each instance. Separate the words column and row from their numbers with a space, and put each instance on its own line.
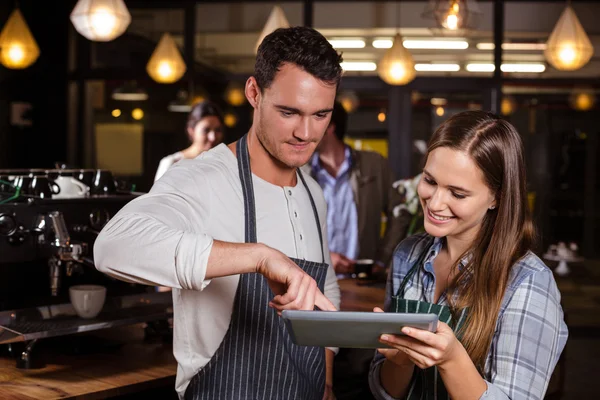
column 131, row 367
column 356, row 296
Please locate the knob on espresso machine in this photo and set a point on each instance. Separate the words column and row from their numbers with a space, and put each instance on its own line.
column 8, row 225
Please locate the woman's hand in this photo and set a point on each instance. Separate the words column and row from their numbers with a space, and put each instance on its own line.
column 393, row 355
column 423, row 348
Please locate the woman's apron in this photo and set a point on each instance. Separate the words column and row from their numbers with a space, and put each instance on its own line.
column 257, row 358
column 426, row 383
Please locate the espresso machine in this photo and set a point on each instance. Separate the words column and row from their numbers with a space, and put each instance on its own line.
column 46, row 244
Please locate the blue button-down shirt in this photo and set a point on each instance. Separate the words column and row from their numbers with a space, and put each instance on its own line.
column 530, row 331
column 342, row 218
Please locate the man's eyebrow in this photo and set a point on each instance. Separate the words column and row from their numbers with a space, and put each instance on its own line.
column 297, row 111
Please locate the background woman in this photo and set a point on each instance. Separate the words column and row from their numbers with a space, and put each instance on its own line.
column 205, row 130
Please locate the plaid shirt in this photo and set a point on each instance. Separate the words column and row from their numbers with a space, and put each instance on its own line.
column 530, row 330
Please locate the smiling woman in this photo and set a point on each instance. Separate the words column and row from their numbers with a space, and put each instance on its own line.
column 502, row 328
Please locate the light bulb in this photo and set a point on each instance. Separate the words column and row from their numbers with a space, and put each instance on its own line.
column 397, row 71
column 137, row 113
column 381, row 117
column 103, row 22
column 16, row 53
column 230, row 120
column 452, row 20
column 440, row 111
column 584, row 101
column 567, row 53
column 165, row 70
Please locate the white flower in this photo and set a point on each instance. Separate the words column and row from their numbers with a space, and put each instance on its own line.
column 408, row 189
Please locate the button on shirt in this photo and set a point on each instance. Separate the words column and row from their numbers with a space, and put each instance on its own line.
column 164, row 238
column 342, row 217
column 530, row 332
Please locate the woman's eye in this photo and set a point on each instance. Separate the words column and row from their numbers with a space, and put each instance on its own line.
column 458, row 195
column 429, row 181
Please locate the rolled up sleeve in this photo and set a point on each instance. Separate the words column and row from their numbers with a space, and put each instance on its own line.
column 156, row 238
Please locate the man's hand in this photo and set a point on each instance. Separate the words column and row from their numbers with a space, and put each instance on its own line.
column 294, row 289
column 342, row 264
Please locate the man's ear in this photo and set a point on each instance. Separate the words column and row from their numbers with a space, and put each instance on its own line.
column 252, row 92
column 330, row 129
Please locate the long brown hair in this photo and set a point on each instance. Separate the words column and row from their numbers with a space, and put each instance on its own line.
column 506, row 232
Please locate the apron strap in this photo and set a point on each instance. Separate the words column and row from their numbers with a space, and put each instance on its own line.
column 247, row 189
column 410, row 274
column 245, row 173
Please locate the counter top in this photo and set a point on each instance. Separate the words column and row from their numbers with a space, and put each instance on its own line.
column 360, row 295
column 131, row 366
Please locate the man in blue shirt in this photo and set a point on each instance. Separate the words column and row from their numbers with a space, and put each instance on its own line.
column 358, row 190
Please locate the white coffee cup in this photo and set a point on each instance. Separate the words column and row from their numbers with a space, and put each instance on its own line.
column 70, row 188
column 87, row 299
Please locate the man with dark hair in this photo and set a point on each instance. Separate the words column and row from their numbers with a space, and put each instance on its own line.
column 225, row 248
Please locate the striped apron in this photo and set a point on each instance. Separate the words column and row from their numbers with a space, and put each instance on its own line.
column 425, row 383
column 257, row 358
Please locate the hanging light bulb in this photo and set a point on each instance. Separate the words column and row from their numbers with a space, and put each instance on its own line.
column 230, row 120
column 137, row 114
column 453, row 15
column 568, row 47
column 166, row 64
column 18, row 48
column 508, row 105
column 397, row 66
column 453, row 18
column 101, row 20
column 582, row 99
column 234, row 94
column 349, row 101
column 275, row 21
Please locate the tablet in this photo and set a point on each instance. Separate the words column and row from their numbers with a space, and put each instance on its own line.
column 351, row 329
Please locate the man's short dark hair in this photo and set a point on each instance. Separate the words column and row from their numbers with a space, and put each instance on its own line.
column 299, row 45
column 339, row 119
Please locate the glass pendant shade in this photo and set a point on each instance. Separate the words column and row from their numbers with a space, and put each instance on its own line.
column 18, row 48
column 276, row 20
column 166, row 64
column 100, row 20
column 453, row 15
column 568, row 47
column 397, row 66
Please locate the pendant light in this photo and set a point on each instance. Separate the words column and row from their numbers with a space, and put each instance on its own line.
column 235, row 95
column 397, row 66
column 275, row 21
column 568, row 47
column 18, row 48
column 453, row 15
column 100, row 20
column 582, row 99
column 166, row 64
